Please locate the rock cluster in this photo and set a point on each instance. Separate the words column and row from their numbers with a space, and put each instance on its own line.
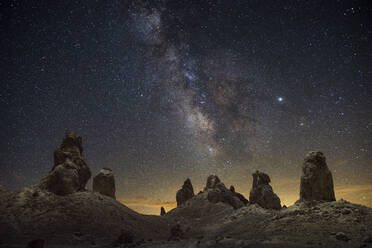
column 262, row 193
column 316, row 179
column 217, row 192
column 70, row 172
column 104, row 183
column 185, row 193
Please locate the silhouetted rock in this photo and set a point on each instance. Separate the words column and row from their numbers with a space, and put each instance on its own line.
column 185, row 193
column 240, row 196
column 70, row 172
column 104, row 183
column 217, row 192
column 262, row 193
column 162, row 211
column 37, row 243
column 316, row 179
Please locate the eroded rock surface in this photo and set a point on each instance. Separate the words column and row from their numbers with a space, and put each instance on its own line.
column 217, row 192
column 185, row 193
column 316, row 179
column 70, row 172
column 262, row 193
column 104, row 183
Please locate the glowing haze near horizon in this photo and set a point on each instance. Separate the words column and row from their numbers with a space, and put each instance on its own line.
column 165, row 90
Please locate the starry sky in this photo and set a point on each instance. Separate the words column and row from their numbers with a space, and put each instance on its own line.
column 164, row 90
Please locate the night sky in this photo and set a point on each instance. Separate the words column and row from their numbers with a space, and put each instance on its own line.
column 165, row 90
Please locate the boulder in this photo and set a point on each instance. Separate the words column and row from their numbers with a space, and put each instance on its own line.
column 162, row 211
column 262, row 193
column 217, row 192
column 70, row 172
column 185, row 193
column 316, row 179
column 104, row 183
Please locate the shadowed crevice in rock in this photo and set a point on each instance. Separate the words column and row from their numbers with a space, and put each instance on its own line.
column 240, row 196
column 316, row 179
column 262, row 193
column 70, row 172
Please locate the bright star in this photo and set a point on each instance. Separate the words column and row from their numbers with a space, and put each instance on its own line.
column 280, row 99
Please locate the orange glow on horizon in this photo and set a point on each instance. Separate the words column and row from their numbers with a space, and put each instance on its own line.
column 358, row 194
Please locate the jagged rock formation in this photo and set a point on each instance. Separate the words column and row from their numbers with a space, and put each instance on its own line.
column 217, row 192
column 70, row 172
column 240, row 196
column 104, row 183
column 262, row 193
column 212, row 182
column 162, row 211
column 185, row 193
column 316, row 179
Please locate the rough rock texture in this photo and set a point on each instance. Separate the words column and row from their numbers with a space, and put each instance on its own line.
column 262, row 193
column 185, row 193
column 70, row 172
column 162, row 211
column 104, row 183
column 176, row 232
column 217, row 192
column 212, row 182
column 316, row 179
column 240, row 196
column 305, row 224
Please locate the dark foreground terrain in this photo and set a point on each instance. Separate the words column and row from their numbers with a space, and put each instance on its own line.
column 88, row 219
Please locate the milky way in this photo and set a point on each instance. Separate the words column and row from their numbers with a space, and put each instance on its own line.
column 165, row 90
